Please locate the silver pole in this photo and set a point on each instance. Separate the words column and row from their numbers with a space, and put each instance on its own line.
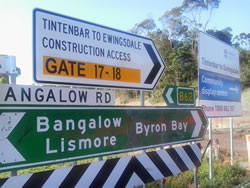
column 210, row 150
column 162, row 185
column 231, row 141
column 195, row 178
column 142, row 97
column 142, row 104
column 13, row 81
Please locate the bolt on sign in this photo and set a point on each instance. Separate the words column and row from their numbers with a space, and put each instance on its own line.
column 72, row 51
column 32, row 136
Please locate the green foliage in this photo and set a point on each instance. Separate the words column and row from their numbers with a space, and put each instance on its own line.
column 242, row 40
column 245, row 68
column 232, row 176
column 144, row 27
column 224, row 35
column 182, row 180
column 223, row 177
column 184, row 21
column 127, row 95
column 177, row 44
column 156, row 95
column 4, row 79
column 4, row 175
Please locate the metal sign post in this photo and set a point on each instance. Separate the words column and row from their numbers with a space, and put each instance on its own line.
column 210, row 149
column 231, row 141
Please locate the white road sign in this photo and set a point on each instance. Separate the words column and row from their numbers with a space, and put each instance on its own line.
column 71, row 51
column 37, row 95
column 219, row 78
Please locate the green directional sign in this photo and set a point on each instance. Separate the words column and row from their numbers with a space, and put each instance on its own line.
column 31, row 136
column 176, row 95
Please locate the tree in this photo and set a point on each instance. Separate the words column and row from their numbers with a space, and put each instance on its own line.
column 4, row 79
column 177, row 42
column 242, row 40
column 224, row 35
column 245, row 67
column 185, row 22
column 143, row 28
column 161, row 39
column 189, row 17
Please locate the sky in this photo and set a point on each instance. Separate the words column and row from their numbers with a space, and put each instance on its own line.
column 16, row 20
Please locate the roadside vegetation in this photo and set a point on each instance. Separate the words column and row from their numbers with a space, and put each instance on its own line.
column 225, row 176
column 175, row 34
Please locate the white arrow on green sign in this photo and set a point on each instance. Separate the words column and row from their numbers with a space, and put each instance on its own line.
column 176, row 95
column 9, row 153
column 32, row 136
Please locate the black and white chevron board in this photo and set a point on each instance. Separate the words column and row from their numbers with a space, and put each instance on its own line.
column 120, row 172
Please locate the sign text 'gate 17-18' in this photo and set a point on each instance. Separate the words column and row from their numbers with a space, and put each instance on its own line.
column 33, row 136
column 72, row 51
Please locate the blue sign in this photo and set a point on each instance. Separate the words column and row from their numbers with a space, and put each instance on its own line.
column 214, row 86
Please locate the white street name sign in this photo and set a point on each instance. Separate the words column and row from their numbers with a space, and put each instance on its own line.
column 38, row 95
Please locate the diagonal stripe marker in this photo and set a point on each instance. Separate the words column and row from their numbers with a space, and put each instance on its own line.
column 198, row 124
column 8, row 122
column 134, row 170
column 135, row 180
